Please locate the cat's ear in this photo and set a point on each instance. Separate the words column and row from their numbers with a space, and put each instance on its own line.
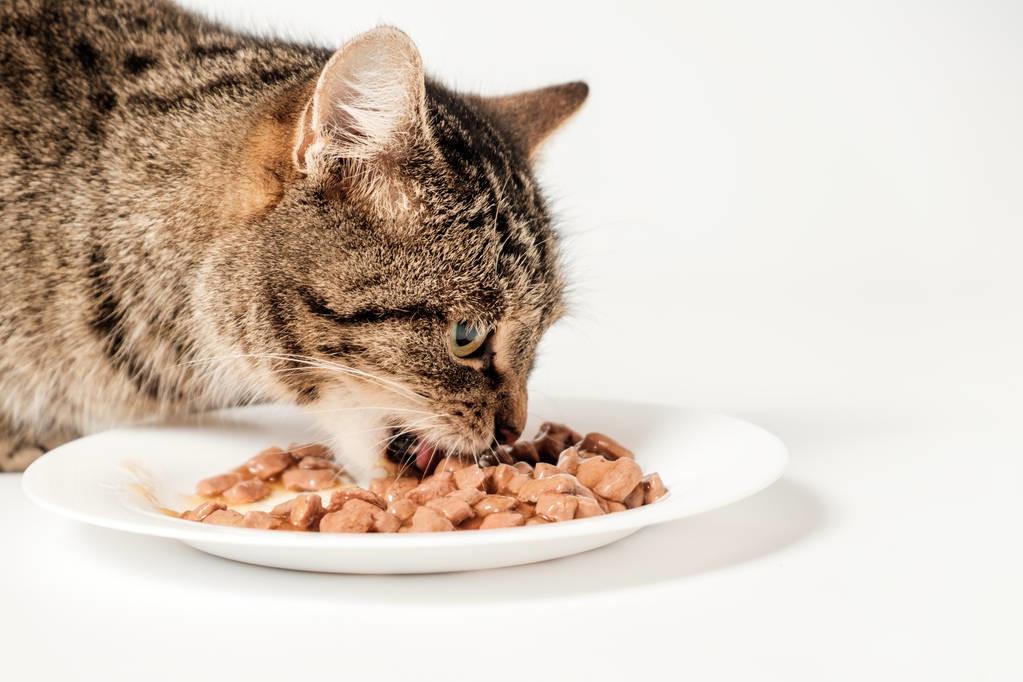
column 530, row 117
column 369, row 97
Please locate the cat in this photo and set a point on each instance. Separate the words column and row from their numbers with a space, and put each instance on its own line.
column 192, row 218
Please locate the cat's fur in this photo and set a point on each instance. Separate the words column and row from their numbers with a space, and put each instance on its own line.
column 192, row 218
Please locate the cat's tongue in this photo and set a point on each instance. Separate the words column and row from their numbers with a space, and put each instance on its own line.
column 424, row 456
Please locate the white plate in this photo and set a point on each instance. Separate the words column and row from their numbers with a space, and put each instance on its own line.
column 706, row 460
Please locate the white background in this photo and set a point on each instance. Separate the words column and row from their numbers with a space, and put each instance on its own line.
column 804, row 213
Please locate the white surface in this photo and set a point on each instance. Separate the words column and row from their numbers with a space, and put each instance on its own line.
column 121, row 478
column 811, row 212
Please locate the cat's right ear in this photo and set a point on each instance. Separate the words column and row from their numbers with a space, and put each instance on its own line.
column 369, row 99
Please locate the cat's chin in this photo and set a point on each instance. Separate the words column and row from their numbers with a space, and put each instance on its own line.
column 357, row 438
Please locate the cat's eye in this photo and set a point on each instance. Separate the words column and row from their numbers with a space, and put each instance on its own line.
column 466, row 340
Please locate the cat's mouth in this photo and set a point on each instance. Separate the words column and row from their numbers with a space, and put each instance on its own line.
column 407, row 449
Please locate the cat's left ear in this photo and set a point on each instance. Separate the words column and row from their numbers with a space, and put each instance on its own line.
column 368, row 99
column 530, row 117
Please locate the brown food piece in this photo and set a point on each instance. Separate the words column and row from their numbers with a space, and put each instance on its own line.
column 310, row 450
column 402, row 509
column 502, row 520
column 494, row 504
column 635, row 498
column 557, row 507
column 305, row 510
column 552, row 438
column 653, row 488
column 615, row 507
column 385, row 522
column 569, row 460
column 269, row 463
column 536, row 521
column 470, row 495
column 347, row 521
column 524, row 468
column 507, row 480
column 381, row 521
column 587, row 507
column 245, row 492
column 526, row 509
column 471, row 524
column 216, row 485
column 606, row 446
column 545, row 470
column 504, row 454
column 202, row 511
column 427, row 520
column 470, row 477
column 619, row 480
column 560, row 483
column 260, row 519
column 438, row 485
column 450, row 463
column 316, row 463
column 338, row 499
column 305, row 480
column 224, row 517
column 592, row 470
column 283, row 509
column 392, row 489
column 525, row 451
column 453, row 509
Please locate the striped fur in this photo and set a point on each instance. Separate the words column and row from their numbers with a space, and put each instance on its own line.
column 166, row 251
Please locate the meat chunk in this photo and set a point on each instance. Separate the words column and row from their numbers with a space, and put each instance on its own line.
column 347, row 521
column 552, row 439
column 560, row 483
column 338, row 499
column 269, row 463
column 557, row 507
column 469, row 495
column 653, row 488
column 305, row 510
column 622, row 477
column 635, row 498
column 604, row 445
column 202, row 511
column 225, row 517
column 316, row 463
column 306, row 480
column 427, row 520
column 502, row 520
column 216, row 485
column 587, row 507
column 470, row 477
column 592, row 470
column 260, row 519
column 245, row 492
column 494, row 504
column 393, row 488
column 507, row 480
column 453, row 509
column 545, row 470
column 525, row 451
column 402, row 509
column 569, row 461
column 438, row 485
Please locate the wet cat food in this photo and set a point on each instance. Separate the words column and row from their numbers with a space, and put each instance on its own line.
column 558, row 476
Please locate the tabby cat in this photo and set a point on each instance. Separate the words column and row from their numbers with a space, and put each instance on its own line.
column 191, row 218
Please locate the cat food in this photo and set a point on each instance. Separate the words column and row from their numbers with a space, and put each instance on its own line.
column 558, row 476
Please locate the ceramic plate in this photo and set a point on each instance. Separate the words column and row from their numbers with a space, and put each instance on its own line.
column 119, row 479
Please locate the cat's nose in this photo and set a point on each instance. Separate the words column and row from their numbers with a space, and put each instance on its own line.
column 505, row 432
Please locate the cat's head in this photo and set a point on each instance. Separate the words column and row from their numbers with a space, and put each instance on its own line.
column 407, row 268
